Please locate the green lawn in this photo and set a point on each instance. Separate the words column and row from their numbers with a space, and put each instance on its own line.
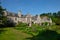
column 23, row 32
column 13, row 34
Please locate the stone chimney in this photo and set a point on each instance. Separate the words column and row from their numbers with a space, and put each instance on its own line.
column 19, row 13
column 38, row 19
column 28, row 16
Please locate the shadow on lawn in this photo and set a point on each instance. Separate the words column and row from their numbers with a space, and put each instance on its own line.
column 46, row 35
column 2, row 31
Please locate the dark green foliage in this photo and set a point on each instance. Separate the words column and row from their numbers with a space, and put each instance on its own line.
column 33, row 30
column 22, row 25
column 1, row 12
column 58, row 14
column 54, row 16
column 44, row 14
column 2, row 17
column 9, row 24
column 46, row 35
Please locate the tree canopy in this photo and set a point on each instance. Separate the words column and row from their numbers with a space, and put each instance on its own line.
column 54, row 16
column 3, row 18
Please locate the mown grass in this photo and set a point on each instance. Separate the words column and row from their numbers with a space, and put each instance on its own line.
column 22, row 31
column 13, row 34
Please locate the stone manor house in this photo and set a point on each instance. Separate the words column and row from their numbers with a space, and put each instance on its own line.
column 29, row 19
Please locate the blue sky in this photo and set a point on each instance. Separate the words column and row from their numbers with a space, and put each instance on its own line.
column 32, row 6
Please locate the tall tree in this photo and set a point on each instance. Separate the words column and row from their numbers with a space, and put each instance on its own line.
column 58, row 14
column 2, row 17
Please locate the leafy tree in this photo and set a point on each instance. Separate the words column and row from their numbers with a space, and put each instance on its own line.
column 57, row 17
column 55, row 14
column 43, row 14
column 3, row 18
column 58, row 14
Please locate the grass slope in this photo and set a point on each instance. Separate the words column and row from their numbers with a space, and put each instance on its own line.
column 13, row 34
